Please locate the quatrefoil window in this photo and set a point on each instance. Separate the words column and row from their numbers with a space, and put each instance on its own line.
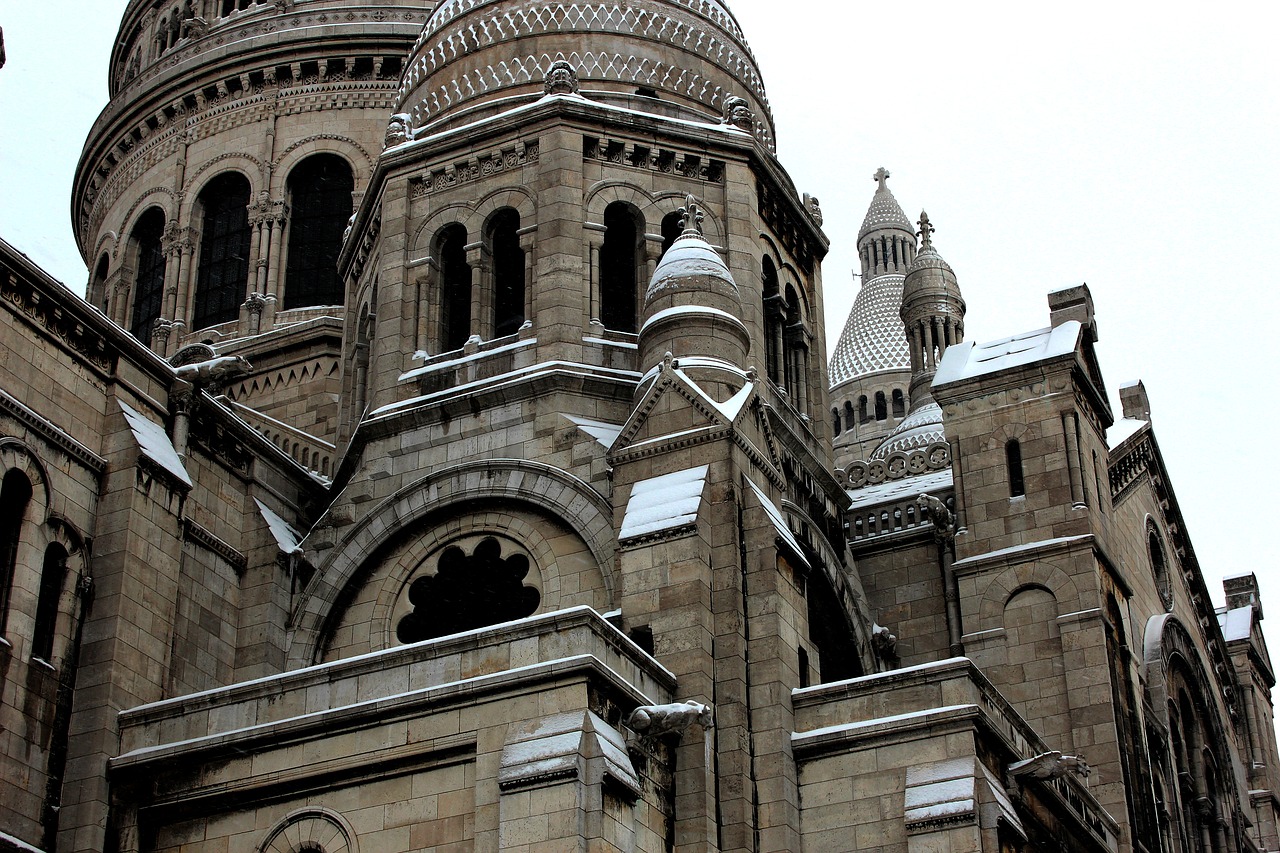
column 468, row 591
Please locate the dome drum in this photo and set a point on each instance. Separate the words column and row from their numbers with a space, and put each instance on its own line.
column 478, row 55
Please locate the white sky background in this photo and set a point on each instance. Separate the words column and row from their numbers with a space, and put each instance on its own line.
column 1051, row 144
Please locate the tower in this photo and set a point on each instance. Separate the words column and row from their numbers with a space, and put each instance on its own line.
column 870, row 366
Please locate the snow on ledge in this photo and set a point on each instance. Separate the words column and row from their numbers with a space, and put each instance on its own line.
column 286, row 537
column 154, row 442
column 664, row 502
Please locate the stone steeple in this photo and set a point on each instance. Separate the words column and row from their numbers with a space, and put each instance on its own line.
column 932, row 311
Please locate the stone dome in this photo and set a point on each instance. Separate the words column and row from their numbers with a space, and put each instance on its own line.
column 885, row 213
column 920, row 429
column 872, row 339
column 684, row 58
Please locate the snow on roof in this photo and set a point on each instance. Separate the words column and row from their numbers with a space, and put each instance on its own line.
column 602, row 432
column 1123, row 429
column 679, row 310
column 1026, row 546
column 1236, row 623
column 895, row 490
column 779, row 521
column 967, row 360
column 729, row 408
column 286, row 537
column 664, row 502
column 18, row 844
column 154, row 443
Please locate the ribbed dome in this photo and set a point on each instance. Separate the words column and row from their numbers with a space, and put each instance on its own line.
column 872, row 339
column 919, row 429
column 483, row 56
column 690, row 263
column 885, row 212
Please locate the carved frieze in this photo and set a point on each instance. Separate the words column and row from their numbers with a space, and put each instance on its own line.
column 664, row 160
column 466, row 171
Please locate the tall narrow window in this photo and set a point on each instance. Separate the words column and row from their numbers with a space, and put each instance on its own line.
column 320, row 204
column 98, row 289
column 455, row 291
column 835, row 421
column 52, row 575
column 224, row 250
column 899, row 403
column 148, row 284
column 772, row 305
column 671, row 229
column 1013, row 460
column 618, row 258
column 508, row 272
column 849, row 418
column 864, row 414
column 882, row 407
column 15, row 494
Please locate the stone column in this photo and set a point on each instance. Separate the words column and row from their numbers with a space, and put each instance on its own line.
column 481, row 290
column 1073, row 459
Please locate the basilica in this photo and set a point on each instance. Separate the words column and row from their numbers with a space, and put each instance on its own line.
column 446, row 456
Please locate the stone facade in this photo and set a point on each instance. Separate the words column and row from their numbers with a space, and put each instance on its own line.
column 551, row 535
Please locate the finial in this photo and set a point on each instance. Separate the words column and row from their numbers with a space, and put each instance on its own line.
column 881, row 175
column 926, row 231
column 692, row 210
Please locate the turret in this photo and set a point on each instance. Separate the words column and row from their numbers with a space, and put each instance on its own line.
column 692, row 306
column 932, row 311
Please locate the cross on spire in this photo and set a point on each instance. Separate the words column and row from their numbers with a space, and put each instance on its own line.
column 881, row 175
column 926, row 231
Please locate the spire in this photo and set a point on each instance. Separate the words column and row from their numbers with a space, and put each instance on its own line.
column 887, row 240
column 926, row 231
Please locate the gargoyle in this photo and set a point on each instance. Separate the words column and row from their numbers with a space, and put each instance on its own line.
column 676, row 718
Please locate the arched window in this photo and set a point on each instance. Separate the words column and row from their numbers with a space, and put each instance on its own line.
column 864, row 414
column 98, row 289
column 320, row 190
column 773, row 318
column 1013, row 461
column 455, row 290
column 224, row 250
column 882, row 407
column 618, row 264
column 1159, row 566
column 15, row 494
column 899, row 403
column 849, row 417
column 52, row 575
column 835, row 421
column 671, row 229
column 148, row 283
column 508, row 272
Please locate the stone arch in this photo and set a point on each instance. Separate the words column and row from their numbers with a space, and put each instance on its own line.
column 1003, row 586
column 58, row 531
column 518, row 199
column 17, row 454
column 460, row 212
column 652, row 207
column 108, row 243
column 308, row 829
column 234, row 162
column 1165, row 643
column 549, row 489
column 323, row 143
column 1008, row 432
column 150, row 198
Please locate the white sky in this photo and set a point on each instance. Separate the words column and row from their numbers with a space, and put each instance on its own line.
column 1051, row 144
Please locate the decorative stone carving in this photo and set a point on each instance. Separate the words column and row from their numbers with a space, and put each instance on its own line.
column 255, row 302
column 399, row 130
column 885, row 643
column 811, row 207
column 562, row 79
column 194, row 28
column 676, row 718
column 737, row 112
column 1049, row 765
column 214, row 374
column 944, row 521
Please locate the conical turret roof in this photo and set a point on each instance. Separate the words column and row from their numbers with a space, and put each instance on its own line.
column 885, row 212
column 872, row 339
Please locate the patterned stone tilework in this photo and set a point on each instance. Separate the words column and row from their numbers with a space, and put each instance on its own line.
column 440, row 47
column 872, row 339
column 885, row 212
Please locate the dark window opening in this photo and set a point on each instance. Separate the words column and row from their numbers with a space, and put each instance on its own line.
column 830, row 631
column 849, row 417
column 320, row 205
column 773, row 319
column 618, row 258
column 52, row 575
column 882, row 407
column 899, row 403
column 15, row 494
column 642, row 636
column 508, row 272
column 468, row 592
column 224, row 251
column 835, row 421
column 456, row 286
column 1013, row 460
column 863, row 414
column 98, row 293
column 671, row 229
column 803, row 660
column 148, row 286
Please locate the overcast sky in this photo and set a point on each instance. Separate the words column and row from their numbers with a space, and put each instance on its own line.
column 1052, row 144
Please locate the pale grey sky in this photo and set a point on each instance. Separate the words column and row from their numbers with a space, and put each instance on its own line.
column 1051, row 144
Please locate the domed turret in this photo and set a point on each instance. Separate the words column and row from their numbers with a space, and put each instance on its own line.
column 933, row 314
column 684, row 58
column 692, row 306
